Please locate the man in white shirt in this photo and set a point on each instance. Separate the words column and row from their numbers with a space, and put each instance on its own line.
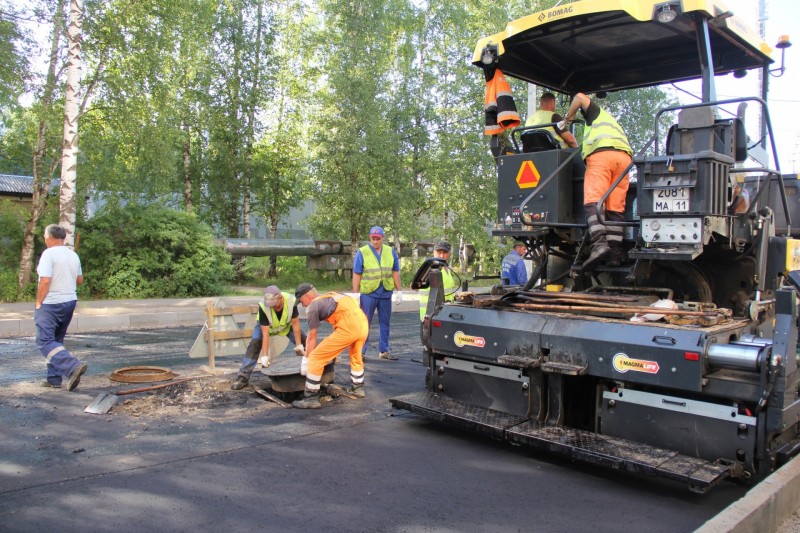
column 59, row 273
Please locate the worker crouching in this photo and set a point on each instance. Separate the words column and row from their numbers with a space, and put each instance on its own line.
column 350, row 330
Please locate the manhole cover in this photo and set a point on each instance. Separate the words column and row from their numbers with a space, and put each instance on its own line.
column 142, row 374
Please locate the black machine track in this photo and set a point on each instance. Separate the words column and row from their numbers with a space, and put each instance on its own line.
column 603, row 450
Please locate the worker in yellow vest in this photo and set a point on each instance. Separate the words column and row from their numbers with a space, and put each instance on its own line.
column 277, row 316
column 441, row 250
column 376, row 274
column 546, row 114
column 607, row 153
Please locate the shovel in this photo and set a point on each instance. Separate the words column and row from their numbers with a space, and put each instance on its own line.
column 103, row 403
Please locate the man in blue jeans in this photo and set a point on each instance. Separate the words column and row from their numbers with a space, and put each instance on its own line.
column 376, row 273
column 60, row 274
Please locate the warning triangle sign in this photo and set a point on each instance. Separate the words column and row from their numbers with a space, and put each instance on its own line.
column 528, row 175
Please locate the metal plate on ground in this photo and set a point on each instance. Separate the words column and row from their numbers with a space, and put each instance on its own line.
column 610, row 452
column 480, row 419
column 620, row 454
column 283, row 365
column 284, row 374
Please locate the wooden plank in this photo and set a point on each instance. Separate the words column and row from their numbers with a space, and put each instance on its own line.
column 227, row 335
column 210, row 314
column 240, row 310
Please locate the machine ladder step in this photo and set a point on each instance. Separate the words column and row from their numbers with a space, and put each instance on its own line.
column 595, row 448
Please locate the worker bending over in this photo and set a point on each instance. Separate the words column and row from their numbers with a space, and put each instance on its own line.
column 277, row 316
column 350, row 330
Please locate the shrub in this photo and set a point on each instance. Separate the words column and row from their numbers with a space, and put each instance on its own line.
column 151, row 252
column 12, row 226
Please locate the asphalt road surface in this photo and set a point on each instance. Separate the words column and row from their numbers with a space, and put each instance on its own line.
column 250, row 465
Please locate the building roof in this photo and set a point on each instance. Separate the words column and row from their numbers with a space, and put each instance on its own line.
column 16, row 185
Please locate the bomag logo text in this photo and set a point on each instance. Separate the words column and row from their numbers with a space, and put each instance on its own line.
column 555, row 13
column 462, row 339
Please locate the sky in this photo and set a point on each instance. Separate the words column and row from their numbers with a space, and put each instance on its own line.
column 783, row 98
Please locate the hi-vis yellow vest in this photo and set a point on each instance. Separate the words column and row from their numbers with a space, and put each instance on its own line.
column 374, row 274
column 449, row 284
column 604, row 132
column 544, row 117
column 280, row 325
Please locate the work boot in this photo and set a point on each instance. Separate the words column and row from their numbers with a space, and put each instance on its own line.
column 48, row 385
column 615, row 235
column 600, row 249
column 240, row 383
column 387, row 356
column 598, row 254
column 616, row 257
column 75, row 378
column 310, row 401
column 355, row 391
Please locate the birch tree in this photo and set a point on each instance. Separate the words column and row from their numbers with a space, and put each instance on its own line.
column 41, row 177
column 69, row 159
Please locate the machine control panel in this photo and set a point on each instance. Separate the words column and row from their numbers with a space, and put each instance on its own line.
column 672, row 230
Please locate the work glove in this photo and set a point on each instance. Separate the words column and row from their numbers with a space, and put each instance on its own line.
column 562, row 125
column 299, row 350
column 397, row 297
column 356, row 295
column 304, row 366
column 265, row 361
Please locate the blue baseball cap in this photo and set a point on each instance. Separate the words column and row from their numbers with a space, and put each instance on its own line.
column 376, row 230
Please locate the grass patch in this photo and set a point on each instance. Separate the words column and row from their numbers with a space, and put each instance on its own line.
column 292, row 271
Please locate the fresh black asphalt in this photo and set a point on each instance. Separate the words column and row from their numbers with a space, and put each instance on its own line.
column 350, row 466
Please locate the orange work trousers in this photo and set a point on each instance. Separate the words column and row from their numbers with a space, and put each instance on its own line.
column 350, row 330
column 602, row 168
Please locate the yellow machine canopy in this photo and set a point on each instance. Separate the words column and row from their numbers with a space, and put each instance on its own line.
column 606, row 45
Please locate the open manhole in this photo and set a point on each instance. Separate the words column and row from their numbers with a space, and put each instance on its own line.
column 142, row 374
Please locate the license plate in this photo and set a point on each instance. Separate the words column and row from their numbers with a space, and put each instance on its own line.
column 671, row 200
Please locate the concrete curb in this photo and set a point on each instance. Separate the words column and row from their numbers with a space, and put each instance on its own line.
column 764, row 508
column 16, row 320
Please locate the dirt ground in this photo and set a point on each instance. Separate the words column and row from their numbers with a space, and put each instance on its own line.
column 208, row 395
column 201, row 395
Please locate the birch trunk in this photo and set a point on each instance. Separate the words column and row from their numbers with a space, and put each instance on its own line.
column 187, row 160
column 251, row 118
column 69, row 153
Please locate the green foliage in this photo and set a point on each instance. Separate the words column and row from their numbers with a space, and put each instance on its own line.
column 151, row 252
column 12, row 226
column 292, row 271
column 13, row 59
column 636, row 109
column 372, row 109
column 8, row 285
